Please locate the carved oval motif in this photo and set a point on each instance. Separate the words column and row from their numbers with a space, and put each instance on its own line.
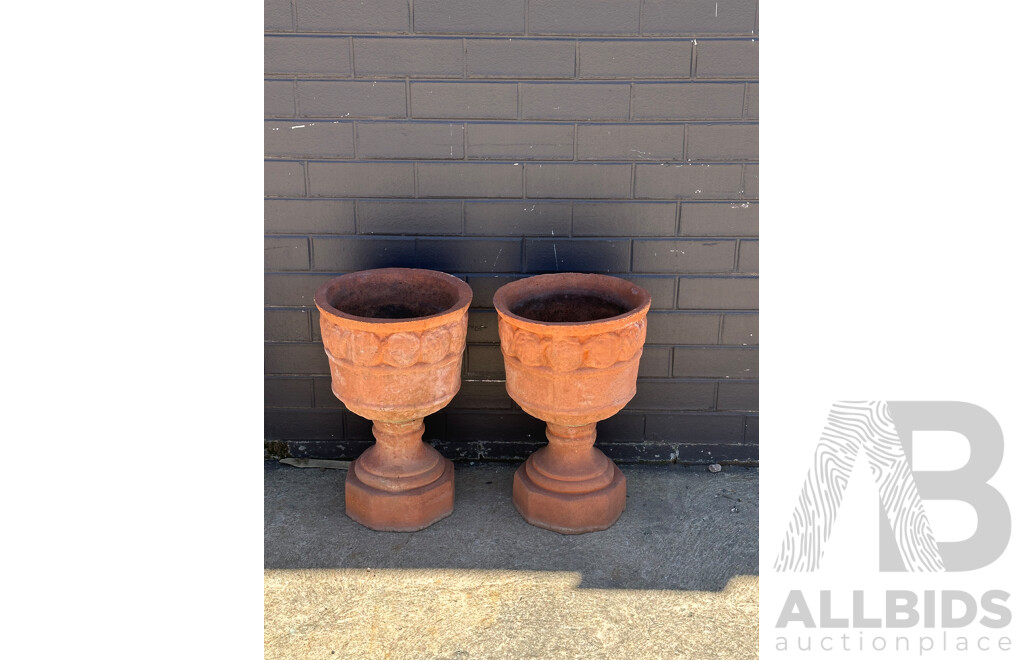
column 458, row 333
column 565, row 354
column 434, row 345
column 337, row 340
column 630, row 339
column 601, row 351
column 506, row 335
column 402, row 349
column 365, row 348
column 529, row 348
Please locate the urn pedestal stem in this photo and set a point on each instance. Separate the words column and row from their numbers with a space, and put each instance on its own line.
column 400, row 484
column 569, row 486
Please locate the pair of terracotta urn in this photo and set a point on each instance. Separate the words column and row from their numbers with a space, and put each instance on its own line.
column 571, row 343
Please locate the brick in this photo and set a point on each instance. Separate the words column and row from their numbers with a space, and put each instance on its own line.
column 476, row 394
column 575, row 255
column 699, row 17
column 309, row 216
column 689, row 181
column 361, row 180
column 662, row 290
column 291, row 289
column 694, row 429
column 624, row 219
column 750, row 180
column 592, row 17
column 351, row 98
column 357, row 427
column 349, row 254
column 748, row 262
column 277, row 15
column 725, row 454
column 737, row 396
column 294, row 359
column 721, row 142
column 286, row 253
column 323, row 397
column 469, row 179
column 521, row 58
column 470, row 16
column 278, row 98
column 718, row 219
column 680, row 328
column 469, row 255
column 283, row 179
column 740, row 329
column 577, row 180
column 646, row 58
column 520, row 141
column 750, row 102
column 412, row 217
column 727, row 59
column 672, row 395
column 630, row 142
column 750, row 435
column 577, row 101
column 410, row 140
column 518, row 218
column 303, row 425
column 287, row 393
column 683, row 256
column 308, row 139
column 408, row 57
column 469, row 100
column 477, row 426
column 718, row 292
column 483, row 327
column 687, row 100
column 485, row 361
column 621, row 428
column 314, row 323
column 353, row 15
column 285, row 325
column 327, row 56
column 484, row 287
column 655, row 362
column 714, row 362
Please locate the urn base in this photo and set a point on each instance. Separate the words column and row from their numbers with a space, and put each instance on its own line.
column 569, row 512
column 400, row 510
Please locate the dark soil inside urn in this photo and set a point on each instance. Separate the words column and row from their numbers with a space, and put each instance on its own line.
column 568, row 308
column 391, row 310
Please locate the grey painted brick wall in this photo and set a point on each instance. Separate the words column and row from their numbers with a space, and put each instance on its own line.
column 496, row 139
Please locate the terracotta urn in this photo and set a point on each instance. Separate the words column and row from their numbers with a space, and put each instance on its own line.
column 572, row 344
column 394, row 339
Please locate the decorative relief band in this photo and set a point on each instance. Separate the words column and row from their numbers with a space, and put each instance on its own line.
column 567, row 353
column 399, row 349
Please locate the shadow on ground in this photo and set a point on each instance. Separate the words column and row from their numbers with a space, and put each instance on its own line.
column 684, row 528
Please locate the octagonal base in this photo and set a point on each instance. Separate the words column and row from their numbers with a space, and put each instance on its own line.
column 569, row 513
column 400, row 510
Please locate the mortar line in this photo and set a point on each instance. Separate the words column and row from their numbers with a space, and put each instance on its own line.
column 352, row 57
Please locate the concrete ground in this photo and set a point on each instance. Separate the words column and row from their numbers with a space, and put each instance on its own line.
column 675, row 577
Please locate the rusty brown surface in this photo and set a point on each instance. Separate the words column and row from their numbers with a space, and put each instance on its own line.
column 571, row 344
column 394, row 338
